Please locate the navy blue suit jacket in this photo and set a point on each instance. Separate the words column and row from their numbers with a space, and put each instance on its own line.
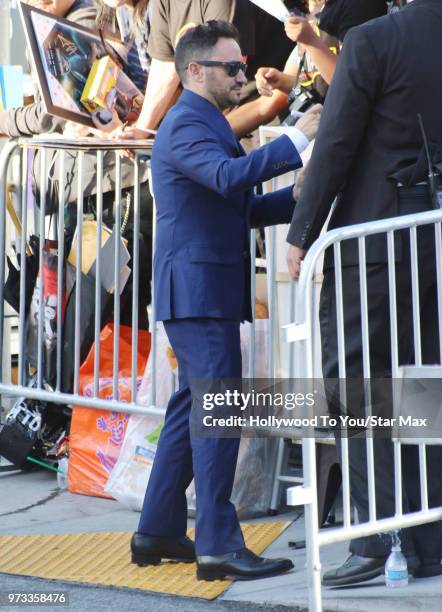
column 203, row 186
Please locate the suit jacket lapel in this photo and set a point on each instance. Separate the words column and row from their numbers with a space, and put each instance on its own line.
column 219, row 124
column 215, row 119
column 222, row 126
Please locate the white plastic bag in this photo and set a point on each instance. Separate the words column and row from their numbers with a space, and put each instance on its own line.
column 164, row 379
column 252, row 488
column 254, row 473
column 128, row 480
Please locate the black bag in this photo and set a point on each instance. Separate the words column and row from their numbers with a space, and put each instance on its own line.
column 21, row 429
column 87, row 329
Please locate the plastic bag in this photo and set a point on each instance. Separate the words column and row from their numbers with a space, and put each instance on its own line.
column 252, row 488
column 164, row 379
column 128, row 480
column 254, row 473
column 96, row 436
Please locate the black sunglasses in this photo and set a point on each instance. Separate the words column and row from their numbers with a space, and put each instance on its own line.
column 231, row 68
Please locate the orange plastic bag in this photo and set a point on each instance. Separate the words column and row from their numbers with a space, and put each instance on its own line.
column 96, row 435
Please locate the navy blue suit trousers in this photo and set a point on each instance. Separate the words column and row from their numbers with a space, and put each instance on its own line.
column 205, row 349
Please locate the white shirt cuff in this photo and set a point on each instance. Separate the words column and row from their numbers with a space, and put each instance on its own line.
column 299, row 140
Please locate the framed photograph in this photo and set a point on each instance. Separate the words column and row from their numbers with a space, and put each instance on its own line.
column 62, row 53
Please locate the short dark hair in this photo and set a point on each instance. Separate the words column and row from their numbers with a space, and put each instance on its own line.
column 198, row 42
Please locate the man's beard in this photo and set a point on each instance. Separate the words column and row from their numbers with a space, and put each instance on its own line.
column 224, row 99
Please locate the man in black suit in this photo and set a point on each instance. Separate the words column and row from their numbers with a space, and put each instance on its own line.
column 368, row 141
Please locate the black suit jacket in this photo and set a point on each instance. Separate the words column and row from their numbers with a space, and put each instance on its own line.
column 388, row 72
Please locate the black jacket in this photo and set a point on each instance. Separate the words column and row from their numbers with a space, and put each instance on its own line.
column 386, row 75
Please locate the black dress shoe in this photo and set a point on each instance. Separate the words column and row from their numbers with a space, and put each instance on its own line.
column 149, row 550
column 355, row 569
column 242, row 564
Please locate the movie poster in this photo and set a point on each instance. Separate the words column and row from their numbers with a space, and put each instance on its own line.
column 67, row 57
column 63, row 54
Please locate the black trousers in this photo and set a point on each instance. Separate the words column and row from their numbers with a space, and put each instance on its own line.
column 424, row 540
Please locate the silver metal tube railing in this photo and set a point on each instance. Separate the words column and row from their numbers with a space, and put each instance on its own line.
column 415, row 294
column 24, row 217
column 60, row 269
column 40, row 391
column 367, row 374
column 136, row 276
column 301, row 332
column 251, row 364
column 342, row 375
column 78, row 279
column 5, row 155
column 43, row 187
column 99, row 197
column 117, row 275
column 74, row 397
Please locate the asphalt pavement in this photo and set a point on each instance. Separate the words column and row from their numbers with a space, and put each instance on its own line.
column 31, row 503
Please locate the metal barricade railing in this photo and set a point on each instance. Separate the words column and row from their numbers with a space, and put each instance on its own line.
column 282, row 309
column 302, row 333
column 41, row 391
column 18, row 150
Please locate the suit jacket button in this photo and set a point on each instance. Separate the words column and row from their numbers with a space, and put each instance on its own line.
column 245, row 254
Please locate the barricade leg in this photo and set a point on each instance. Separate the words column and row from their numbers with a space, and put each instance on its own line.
column 280, row 464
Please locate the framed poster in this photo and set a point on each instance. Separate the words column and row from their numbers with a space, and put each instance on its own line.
column 62, row 53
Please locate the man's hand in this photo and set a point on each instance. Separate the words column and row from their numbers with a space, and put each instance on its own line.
column 299, row 30
column 296, row 192
column 114, row 130
column 132, row 132
column 309, row 122
column 268, row 79
column 294, row 257
column 135, row 133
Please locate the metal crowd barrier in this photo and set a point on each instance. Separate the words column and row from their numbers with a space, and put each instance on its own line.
column 302, row 332
column 15, row 153
column 19, row 149
column 299, row 301
column 283, row 301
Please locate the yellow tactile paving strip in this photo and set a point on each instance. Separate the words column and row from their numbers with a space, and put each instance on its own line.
column 103, row 558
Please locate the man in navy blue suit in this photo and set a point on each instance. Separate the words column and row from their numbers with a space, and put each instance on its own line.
column 203, row 184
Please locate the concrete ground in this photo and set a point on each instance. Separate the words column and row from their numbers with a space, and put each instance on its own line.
column 31, row 503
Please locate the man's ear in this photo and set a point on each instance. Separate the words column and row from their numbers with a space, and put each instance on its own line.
column 196, row 72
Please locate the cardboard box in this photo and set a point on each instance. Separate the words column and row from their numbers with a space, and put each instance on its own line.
column 100, row 90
